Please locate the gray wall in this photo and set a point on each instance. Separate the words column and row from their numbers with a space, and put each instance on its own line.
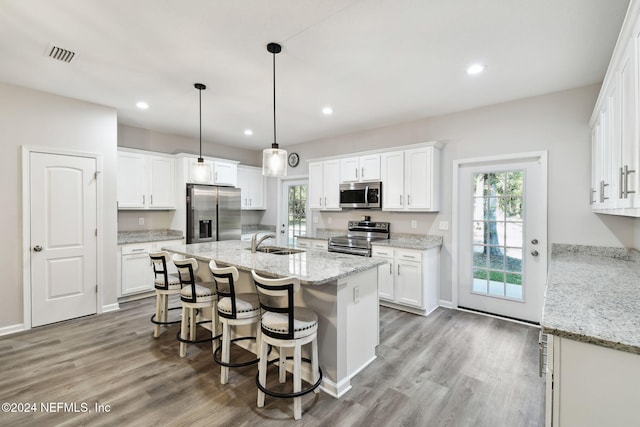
column 33, row 118
column 556, row 122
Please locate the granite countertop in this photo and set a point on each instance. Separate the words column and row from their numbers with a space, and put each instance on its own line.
column 257, row 228
column 144, row 236
column 410, row 241
column 593, row 296
column 322, row 234
column 313, row 267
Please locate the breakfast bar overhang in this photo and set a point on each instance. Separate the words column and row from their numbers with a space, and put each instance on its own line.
column 341, row 289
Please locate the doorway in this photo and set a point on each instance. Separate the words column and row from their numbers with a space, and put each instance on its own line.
column 293, row 210
column 60, row 215
column 500, row 261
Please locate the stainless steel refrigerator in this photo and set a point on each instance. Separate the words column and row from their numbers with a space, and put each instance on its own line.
column 213, row 213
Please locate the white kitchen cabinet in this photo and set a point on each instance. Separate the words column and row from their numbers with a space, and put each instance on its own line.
column 136, row 273
column 252, row 188
column 615, row 183
column 302, row 242
column 410, row 280
column 324, row 185
column 146, row 181
column 590, row 385
column 360, row 169
column 410, row 179
column 211, row 172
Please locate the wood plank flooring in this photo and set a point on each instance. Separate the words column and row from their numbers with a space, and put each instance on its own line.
column 452, row 368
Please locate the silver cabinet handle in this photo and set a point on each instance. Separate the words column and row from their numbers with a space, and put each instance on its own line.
column 626, row 172
column 362, row 174
column 356, row 173
column 325, row 201
column 138, row 250
column 320, row 202
column 621, row 184
column 245, row 201
column 602, row 196
column 143, row 199
column 216, row 176
column 591, row 198
column 250, row 202
column 398, row 269
column 401, row 199
column 151, row 200
column 37, row 248
column 408, row 199
column 390, row 269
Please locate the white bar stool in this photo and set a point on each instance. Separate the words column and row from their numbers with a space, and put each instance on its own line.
column 283, row 326
column 194, row 296
column 233, row 309
column 165, row 284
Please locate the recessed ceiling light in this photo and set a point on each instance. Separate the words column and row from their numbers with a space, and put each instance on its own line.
column 142, row 105
column 475, row 69
column 248, row 132
column 327, row 111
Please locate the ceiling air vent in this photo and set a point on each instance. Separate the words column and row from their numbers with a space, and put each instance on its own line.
column 61, row 54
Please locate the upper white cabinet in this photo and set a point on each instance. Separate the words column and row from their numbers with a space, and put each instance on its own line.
column 211, row 172
column 146, row 181
column 360, row 169
column 252, row 188
column 411, row 179
column 324, row 185
column 615, row 181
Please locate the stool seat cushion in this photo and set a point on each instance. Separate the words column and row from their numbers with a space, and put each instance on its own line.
column 247, row 305
column 203, row 293
column 305, row 322
column 174, row 282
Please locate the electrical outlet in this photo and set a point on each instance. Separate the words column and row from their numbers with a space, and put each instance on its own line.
column 140, row 221
column 444, row 225
column 414, row 223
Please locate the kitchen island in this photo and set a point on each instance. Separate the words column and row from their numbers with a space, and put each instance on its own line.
column 342, row 289
column 592, row 317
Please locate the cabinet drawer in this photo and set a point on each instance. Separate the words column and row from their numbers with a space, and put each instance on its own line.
column 381, row 252
column 142, row 248
column 408, row 256
column 303, row 243
column 320, row 244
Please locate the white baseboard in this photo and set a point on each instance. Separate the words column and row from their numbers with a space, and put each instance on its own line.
column 12, row 329
column 110, row 307
column 447, row 304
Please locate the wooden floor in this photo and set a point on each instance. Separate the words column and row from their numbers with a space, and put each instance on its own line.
column 452, row 368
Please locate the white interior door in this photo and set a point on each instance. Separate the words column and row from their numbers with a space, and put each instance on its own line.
column 63, row 197
column 502, row 250
column 293, row 211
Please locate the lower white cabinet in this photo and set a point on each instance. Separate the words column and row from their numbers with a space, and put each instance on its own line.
column 410, row 280
column 590, row 385
column 322, row 244
column 136, row 273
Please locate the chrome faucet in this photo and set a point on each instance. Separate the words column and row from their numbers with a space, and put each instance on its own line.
column 255, row 244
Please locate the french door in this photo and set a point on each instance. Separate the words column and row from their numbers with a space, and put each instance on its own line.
column 293, row 210
column 501, row 235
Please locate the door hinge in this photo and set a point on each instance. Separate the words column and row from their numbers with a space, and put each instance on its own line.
column 96, row 232
column 95, row 174
column 96, row 289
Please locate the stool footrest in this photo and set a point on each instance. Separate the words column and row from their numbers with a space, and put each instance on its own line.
column 213, row 338
column 174, row 322
column 216, row 358
column 292, row 394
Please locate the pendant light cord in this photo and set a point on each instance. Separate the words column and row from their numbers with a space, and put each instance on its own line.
column 275, row 144
column 200, row 103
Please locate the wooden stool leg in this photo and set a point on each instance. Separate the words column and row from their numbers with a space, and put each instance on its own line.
column 193, row 321
column 184, row 327
column 314, row 363
column 226, row 343
column 282, row 364
column 156, row 329
column 297, row 380
column 262, row 371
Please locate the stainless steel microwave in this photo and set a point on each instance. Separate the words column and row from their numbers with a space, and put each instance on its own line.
column 361, row 195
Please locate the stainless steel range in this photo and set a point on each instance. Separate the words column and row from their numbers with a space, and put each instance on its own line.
column 359, row 237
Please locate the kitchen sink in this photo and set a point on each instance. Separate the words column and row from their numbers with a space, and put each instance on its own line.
column 277, row 250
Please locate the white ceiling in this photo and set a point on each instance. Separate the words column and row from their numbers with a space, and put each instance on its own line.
column 376, row 62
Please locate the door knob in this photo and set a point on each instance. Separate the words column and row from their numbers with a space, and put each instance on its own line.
column 534, row 253
column 37, row 248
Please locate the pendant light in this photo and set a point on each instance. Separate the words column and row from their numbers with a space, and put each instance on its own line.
column 200, row 173
column 274, row 159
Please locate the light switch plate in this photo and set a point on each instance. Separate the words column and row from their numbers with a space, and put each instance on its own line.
column 414, row 223
column 444, row 225
column 140, row 221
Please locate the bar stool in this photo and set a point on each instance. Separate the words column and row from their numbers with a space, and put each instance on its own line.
column 166, row 284
column 194, row 296
column 233, row 309
column 286, row 326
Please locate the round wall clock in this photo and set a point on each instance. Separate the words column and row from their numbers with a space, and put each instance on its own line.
column 294, row 159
